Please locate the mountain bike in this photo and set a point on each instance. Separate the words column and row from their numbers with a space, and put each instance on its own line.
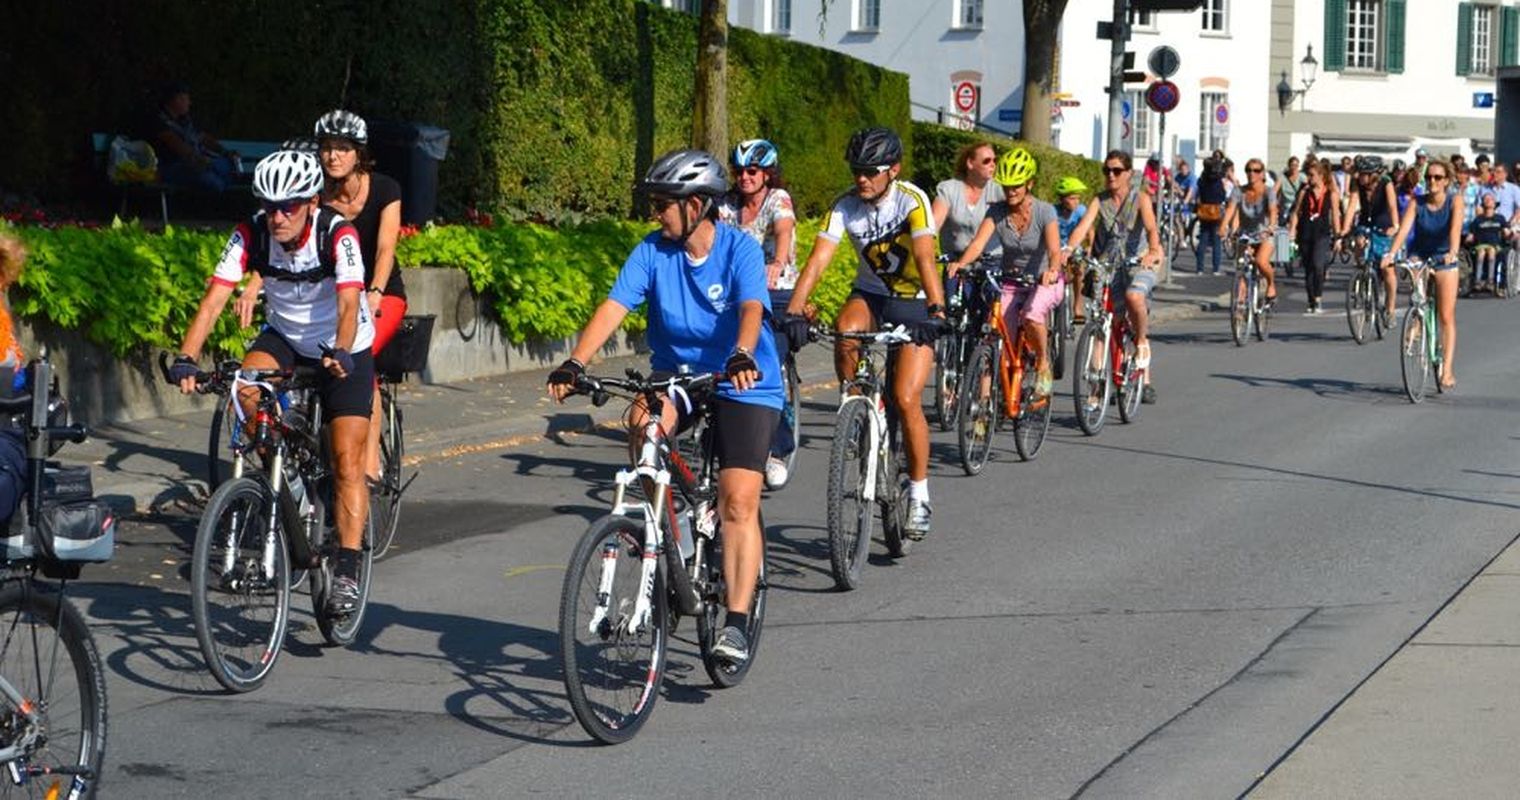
column 867, row 469
column 963, row 313
column 259, row 525
column 1001, row 383
column 656, row 556
column 1364, row 292
column 1249, row 307
column 52, row 683
column 1420, row 353
column 1104, row 363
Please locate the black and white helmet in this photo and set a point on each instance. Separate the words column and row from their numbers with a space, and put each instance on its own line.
column 344, row 125
column 684, row 173
column 1369, row 164
column 874, row 147
column 287, row 175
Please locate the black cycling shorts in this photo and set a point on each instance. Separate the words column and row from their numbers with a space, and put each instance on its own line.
column 888, row 311
column 742, row 433
column 341, row 397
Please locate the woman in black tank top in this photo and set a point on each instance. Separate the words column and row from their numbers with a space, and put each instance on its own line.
column 1315, row 218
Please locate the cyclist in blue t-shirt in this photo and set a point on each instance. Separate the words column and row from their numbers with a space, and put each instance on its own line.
column 704, row 283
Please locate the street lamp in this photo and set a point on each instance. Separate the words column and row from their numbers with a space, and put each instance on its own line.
column 1308, row 70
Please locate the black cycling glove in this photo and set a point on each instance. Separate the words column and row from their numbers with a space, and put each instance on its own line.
column 182, row 368
column 929, row 330
column 797, row 328
column 343, row 358
column 568, row 373
column 739, row 362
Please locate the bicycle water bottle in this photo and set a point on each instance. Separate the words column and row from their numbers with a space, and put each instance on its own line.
column 684, row 541
column 297, row 488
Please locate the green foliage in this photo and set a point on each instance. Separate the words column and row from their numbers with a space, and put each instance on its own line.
column 935, row 146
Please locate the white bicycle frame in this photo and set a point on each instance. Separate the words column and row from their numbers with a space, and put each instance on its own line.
column 877, row 415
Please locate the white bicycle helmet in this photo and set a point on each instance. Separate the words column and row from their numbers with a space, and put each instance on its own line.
column 344, row 125
column 287, row 175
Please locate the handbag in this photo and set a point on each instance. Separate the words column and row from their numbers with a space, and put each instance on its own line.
column 1210, row 212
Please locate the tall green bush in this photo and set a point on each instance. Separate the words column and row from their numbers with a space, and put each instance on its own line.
column 935, row 146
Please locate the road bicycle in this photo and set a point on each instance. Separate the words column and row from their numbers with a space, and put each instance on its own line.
column 867, row 469
column 1001, row 382
column 1420, row 353
column 658, row 555
column 52, row 683
column 1364, row 292
column 1104, row 363
column 963, row 313
column 262, row 527
column 1249, row 307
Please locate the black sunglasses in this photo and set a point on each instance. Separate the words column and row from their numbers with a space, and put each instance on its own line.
column 659, row 204
column 288, row 208
column 869, row 172
column 1114, row 170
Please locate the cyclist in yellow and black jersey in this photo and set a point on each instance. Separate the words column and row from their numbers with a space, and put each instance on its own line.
column 891, row 225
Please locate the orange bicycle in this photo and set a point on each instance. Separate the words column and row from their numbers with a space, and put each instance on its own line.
column 1013, row 395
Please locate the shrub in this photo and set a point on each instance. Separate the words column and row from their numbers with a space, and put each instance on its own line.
column 934, row 148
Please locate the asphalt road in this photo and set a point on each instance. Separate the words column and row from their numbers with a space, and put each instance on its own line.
column 1159, row 611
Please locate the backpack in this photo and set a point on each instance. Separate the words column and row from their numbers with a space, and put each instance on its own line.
column 326, row 223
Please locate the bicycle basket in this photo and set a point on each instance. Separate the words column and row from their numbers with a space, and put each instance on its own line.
column 408, row 351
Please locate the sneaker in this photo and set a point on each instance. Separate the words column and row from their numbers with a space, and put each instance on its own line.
column 919, row 512
column 1386, row 319
column 343, row 596
column 1044, row 383
column 775, row 473
column 1148, row 395
column 731, row 646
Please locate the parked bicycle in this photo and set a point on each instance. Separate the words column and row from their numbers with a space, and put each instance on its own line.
column 658, row 555
column 867, row 468
column 1364, row 292
column 1249, row 308
column 1420, row 354
column 259, row 525
column 1104, row 364
column 52, row 684
column 1000, row 382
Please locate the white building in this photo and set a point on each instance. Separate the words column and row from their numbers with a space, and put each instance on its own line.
column 1224, row 75
column 1393, row 75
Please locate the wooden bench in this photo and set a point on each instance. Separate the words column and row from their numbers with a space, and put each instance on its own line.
column 249, row 152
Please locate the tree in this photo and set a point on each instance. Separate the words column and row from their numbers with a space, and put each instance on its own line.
column 709, row 121
column 1042, row 22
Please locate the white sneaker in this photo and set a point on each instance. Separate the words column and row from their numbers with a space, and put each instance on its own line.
column 775, row 473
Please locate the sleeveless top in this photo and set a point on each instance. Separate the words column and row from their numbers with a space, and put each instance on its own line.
column 1313, row 215
column 963, row 217
column 1119, row 232
column 1253, row 216
column 1374, row 211
column 1432, row 230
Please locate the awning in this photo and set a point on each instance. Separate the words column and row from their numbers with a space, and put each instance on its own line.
column 1356, row 145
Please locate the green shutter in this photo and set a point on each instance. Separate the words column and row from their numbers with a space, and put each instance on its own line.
column 1509, row 36
column 1464, row 38
column 1335, row 35
column 1393, row 56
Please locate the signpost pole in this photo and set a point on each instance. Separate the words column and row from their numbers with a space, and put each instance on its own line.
column 1120, row 36
column 1166, row 192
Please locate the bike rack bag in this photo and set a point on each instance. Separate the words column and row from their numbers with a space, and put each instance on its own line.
column 408, row 350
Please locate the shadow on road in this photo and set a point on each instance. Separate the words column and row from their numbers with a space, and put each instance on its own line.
column 1324, row 387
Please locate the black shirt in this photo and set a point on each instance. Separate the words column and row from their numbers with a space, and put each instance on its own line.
column 382, row 192
column 1488, row 230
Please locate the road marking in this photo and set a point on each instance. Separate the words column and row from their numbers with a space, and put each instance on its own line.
column 516, row 571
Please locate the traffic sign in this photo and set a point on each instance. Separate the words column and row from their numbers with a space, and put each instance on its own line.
column 1010, row 114
column 965, row 96
column 1126, row 111
column 1483, row 99
column 1222, row 114
column 1162, row 96
column 1164, row 61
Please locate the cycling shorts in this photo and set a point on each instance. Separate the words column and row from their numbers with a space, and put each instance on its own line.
column 887, row 311
column 742, row 432
column 350, row 396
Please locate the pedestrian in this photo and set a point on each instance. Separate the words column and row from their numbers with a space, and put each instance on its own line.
column 1214, row 199
column 1316, row 215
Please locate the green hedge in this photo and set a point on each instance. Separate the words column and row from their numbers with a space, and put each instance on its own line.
column 554, row 107
column 935, row 146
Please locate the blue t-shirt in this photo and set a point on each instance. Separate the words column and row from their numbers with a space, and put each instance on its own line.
column 1067, row 223
column 694, row 309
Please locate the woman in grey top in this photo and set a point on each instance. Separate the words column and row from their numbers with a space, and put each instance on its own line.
column 961, row 202
column 1253, row 212
column 1027, row 229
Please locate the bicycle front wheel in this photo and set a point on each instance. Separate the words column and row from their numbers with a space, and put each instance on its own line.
column 1131, row 382
column 240, row 584
column 1414, row 354
column 385, row 500
column 1357, row 303
column 1033, row 420
column 850, row 513
column 1091, row 384
column 981, row 404
column 1240, row 311
column 613, row 660
column 724, row 674
column 947, row 379
column 50, row 659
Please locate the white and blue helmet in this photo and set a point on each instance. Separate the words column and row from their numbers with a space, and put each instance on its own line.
column 755, row 153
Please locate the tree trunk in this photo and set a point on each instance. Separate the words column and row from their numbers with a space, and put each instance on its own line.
column 710, row 116
column 1042, row 23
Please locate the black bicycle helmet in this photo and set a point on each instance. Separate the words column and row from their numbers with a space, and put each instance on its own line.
column 874, row 147
column 1369, row 163
column 684, row 173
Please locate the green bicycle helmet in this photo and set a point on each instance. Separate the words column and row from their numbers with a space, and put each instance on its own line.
column 1015, row 168
column 1070, row 184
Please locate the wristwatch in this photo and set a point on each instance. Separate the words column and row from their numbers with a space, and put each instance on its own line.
column 375, row 289
column 744, row 351
column 935, row 308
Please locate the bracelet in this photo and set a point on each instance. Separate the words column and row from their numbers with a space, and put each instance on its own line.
column 375, row 289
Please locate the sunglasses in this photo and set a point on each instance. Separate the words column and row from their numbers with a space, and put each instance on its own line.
column 288, row 208
column 661, row 203
column 989, row 160
column 1114, row 170
column 750, row 171
column 1431, row 176
column 1252, row 170
column 869, row 172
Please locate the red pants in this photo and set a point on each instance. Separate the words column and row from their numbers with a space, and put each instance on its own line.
column 388, row 320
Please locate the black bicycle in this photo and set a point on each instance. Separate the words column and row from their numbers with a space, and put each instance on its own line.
column 965, row 312
column 259, row 525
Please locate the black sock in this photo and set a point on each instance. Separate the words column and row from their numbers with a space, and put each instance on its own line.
column 737, row 620
column 347, row 564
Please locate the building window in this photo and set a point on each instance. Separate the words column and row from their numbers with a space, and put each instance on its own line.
column 1363, row 18
column 1482, row 41
column 968, row 14
column 1208, row 142
column 781, row 16
column 1143, row 120
column 867, row 15
column 1216, row 18
column 1142, row 19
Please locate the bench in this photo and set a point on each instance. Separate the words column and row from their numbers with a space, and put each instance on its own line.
column 248, row 151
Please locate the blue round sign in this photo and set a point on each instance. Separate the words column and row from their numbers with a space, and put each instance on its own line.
column 1162, row 96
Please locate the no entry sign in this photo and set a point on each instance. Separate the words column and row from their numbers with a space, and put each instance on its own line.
column 965, row 96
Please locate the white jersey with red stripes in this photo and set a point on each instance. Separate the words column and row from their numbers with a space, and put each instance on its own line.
column 303, row 311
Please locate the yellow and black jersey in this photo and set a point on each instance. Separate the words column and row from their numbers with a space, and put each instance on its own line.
column 883, row 234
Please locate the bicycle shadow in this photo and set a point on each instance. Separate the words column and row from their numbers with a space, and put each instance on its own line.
column 148, row 636
column 1335, row 388
column 798, row 559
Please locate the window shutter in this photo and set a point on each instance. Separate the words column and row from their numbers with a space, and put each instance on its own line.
column 1464, row 38
column 1509, row 36
column 1335, row 35
column 1393, row 57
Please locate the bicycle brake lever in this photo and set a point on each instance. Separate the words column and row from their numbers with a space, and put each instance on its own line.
column 600, row 397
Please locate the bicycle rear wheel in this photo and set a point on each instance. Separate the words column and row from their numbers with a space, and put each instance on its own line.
column 385, row 503
column 1091, row 384
column 49, row 657
column 612, row 662
column 1132, row 381
column 1376, row 292
column 1033, row 420
column 240, row 601
column 1414, row 357
column 1261, row 315
column 722, row 673
column 850, row 515
column 791, row 415
column 947, row 379
column 981, row 405
column 1357, row 304
column 337, row 630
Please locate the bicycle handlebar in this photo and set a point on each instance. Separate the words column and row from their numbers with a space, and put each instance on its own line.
column 897, row 335
column 601, row 389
